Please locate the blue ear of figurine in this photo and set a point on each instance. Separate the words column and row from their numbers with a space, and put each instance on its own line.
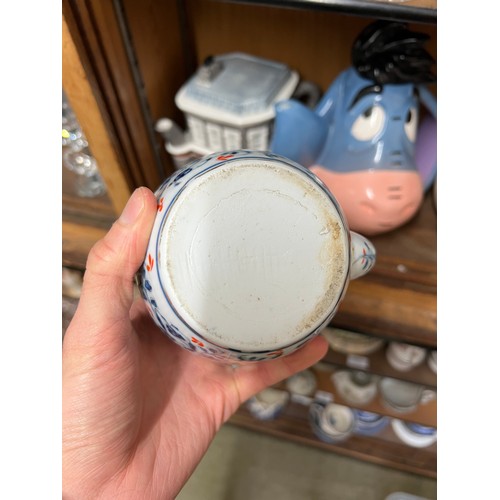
column 426, row 143
column 300, row 132
column 328, row 104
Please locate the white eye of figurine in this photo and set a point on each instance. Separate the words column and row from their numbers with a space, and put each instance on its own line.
column 411, row 124
column 369, row 123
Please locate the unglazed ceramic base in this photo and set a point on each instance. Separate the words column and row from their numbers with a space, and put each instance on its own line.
column 249, row 257
column 253, row 255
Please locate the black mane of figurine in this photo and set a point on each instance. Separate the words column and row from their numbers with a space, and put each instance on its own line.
column 388, row 52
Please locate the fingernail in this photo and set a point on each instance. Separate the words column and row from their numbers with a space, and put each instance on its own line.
column 133, row 208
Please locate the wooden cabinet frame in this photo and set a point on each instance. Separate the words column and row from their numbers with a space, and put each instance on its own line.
column 123, row 62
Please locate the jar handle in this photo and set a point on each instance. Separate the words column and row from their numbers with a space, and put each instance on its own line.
column 363, row 255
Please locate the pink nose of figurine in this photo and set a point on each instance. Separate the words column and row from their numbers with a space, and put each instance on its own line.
column 375, row 201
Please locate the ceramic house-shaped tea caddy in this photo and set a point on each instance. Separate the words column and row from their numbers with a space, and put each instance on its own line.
column 228, row 104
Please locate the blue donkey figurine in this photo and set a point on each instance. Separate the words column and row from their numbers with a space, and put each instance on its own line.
column 362, row 138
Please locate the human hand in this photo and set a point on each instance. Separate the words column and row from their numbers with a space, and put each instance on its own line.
column 139, row 411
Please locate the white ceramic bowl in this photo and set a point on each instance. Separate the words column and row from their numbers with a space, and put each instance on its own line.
column 432, row 361
column 249, row 256
column 331, row 422
column 401, row 495
column 415, row 435
column 303, row 383
column 348, row 342
column 268, row 404
column 404, row 357
column 403, row 396
column 369, row 423
column 355, row 387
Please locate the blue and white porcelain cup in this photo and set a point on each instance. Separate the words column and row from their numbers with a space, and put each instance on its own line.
column 268, row 404
column 332, row 422
column 415, row 435
column 249, row 257
column 369, row 423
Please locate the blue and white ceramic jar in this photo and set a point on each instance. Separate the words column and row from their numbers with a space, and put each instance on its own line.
column 249, row 257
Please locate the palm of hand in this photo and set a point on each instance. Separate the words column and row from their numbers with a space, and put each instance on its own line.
column 137, row 406
column 147, row 410
column 138, row 411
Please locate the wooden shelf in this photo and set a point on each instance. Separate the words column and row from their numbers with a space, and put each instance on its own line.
column 424, row 11
column 85, row 220
column 377, row 364
column 397, row 299
column 121, row 70
column 384, row 449
column 424, row 414
column 97, row 211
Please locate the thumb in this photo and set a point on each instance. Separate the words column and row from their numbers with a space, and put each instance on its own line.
column 108, row 284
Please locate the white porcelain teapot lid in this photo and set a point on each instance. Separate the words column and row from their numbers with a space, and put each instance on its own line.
column 237, row 88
